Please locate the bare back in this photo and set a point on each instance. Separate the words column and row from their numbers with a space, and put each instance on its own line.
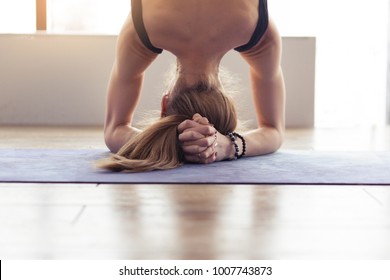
column 200, row 28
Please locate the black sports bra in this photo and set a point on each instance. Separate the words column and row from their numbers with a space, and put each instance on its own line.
column 261, row 27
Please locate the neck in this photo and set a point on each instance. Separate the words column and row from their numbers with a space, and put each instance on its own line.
column 192, row 72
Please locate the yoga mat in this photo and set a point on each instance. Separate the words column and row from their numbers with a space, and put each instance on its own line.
column 282, row 167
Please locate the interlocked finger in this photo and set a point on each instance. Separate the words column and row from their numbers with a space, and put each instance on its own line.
column 196, row 133
column 202, row 142
column 197, row 158
column 199, row 119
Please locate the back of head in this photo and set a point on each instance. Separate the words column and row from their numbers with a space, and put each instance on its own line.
column 207, row 100
column 157, row 147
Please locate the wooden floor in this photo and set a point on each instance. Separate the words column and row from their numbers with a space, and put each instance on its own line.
column 89, row 221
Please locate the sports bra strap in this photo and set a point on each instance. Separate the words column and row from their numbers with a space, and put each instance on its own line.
column 261, row 27
column 136, row 12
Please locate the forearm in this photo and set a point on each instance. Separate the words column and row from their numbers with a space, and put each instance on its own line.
column 116, row 137
column 131, row 60
column 263, row 141
column 258, row 142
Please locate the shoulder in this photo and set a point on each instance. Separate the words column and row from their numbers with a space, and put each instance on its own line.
column 128, row 39
column 131, row 54
column 265, row 58
column 270, row 43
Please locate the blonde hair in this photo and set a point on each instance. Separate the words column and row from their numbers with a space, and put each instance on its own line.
column 157, row 147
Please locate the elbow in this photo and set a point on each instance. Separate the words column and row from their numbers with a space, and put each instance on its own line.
column 279, row 141
column 116, row 136
column 276, row 142
column 279, row 137
column 276, row 138
column 109, row 139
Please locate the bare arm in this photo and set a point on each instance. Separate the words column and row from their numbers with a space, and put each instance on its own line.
column 132, row 59
column 268, row 94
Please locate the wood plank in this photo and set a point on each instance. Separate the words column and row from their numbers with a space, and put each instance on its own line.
column 51, row 137
column 195, row 222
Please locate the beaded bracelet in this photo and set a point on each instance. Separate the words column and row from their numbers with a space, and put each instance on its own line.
column 243, row 144
column 232, row 137
column 234, row 142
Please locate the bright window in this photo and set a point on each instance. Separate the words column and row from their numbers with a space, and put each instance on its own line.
column 351, row 56
column 92, row 16
column 17, row 16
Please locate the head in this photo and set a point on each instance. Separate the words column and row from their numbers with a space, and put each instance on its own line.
column 204, row 98
column 157, row 146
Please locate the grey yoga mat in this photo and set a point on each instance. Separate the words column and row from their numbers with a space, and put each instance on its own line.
column 282, row 167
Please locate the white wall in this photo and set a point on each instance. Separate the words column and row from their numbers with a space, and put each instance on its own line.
column 62, row 79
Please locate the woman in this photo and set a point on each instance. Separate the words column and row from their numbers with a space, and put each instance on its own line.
column 197, row 119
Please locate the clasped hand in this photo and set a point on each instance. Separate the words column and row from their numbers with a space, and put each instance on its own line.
column 199, row 140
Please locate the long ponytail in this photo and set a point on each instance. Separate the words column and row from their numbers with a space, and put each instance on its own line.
column 155, row 148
